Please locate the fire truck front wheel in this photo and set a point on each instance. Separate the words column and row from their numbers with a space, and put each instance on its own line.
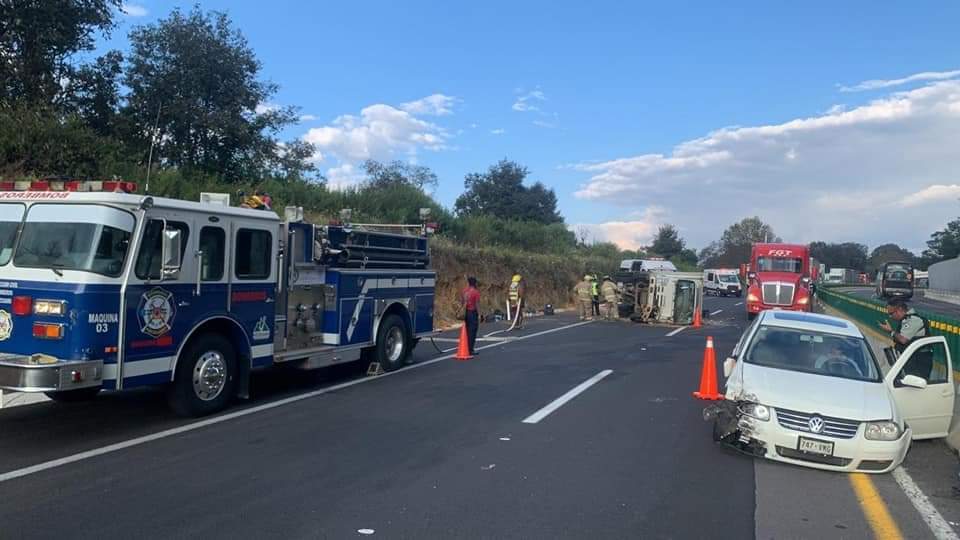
column 393, row 344
column 206, row 377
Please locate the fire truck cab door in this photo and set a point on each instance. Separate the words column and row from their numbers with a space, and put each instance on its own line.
column 161, row 306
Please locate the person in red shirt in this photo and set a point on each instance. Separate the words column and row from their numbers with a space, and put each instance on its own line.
column 471, row 302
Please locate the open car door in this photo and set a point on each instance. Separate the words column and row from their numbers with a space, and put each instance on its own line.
column 921, row 382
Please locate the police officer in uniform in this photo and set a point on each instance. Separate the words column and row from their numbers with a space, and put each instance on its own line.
column 609, row 292
column 584, row 292
column 912, row 327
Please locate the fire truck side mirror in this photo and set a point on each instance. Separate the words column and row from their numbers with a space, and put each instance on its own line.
column 171, row 254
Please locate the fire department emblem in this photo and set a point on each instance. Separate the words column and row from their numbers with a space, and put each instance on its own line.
column 6, row 325
column 156, row 312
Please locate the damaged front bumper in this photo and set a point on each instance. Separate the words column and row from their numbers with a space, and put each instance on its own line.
column 768, row 439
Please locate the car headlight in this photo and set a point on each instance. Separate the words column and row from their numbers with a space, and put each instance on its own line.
column 882, row 431
column 756, row 411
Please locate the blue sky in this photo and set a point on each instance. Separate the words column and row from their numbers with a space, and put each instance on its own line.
column 617, row 106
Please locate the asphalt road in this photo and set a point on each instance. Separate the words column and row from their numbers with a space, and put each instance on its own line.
column 918, row 302
column 437, row 451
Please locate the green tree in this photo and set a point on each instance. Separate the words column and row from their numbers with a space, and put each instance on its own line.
column 841, row 255
column 500, row 193
column 734, row 246
column 200, row 74
column 399, row 173
column 667, row 243
column 94, row 93
column 944, row 244
column 888, row 253
column 39, row 40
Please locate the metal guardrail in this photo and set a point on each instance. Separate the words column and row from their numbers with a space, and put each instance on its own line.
column 872, row 312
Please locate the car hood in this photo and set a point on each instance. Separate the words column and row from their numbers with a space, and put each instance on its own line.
column 820, row 394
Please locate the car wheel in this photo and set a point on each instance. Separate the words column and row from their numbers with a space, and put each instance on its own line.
column 205, row 378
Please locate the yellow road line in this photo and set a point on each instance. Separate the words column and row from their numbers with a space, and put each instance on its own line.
column 874, row 509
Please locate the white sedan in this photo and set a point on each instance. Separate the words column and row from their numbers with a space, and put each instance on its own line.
column 806, row 389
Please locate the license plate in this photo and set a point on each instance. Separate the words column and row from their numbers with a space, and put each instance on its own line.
column 813, row 446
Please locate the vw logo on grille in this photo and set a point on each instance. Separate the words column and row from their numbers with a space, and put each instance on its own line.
column 816, row 424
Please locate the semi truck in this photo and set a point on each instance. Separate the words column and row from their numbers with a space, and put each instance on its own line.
column 841, row 276
column 105, row 289
column 779, row 278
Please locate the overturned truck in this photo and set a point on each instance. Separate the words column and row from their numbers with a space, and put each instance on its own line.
column 659, row 296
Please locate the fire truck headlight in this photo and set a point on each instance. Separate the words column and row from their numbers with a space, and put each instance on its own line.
column 50, row 307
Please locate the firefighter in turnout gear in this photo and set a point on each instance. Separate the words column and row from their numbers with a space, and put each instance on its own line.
column 584, row 292
column 595, row 291
column 610, row 303
column 518, row 293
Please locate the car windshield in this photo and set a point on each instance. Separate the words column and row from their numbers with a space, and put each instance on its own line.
column 813, row 352
column 779, row 264
column 898, row 272
column 85, row 237
column 10, row 217
column 727, row 278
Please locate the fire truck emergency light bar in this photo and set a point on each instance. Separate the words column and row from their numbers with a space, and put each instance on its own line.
column 115, row 186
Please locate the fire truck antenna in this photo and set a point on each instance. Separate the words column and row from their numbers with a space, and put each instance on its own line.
column 153, row 141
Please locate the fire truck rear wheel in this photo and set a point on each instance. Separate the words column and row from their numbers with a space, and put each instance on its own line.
column 74, row 396
column 206, row 377
column 393, row 343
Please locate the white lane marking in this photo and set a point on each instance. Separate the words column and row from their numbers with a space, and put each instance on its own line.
column 677, row 331
column 495, row 332
column 560, row 401
column 52, row 464
column 938, row 526
column 717, row 312
column 739, row 304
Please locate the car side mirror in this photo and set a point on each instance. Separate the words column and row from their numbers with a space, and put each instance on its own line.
column 170, row 254
column 914, row 382
column 728, row 366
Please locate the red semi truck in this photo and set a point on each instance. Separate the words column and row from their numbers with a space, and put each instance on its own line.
column 779, row 278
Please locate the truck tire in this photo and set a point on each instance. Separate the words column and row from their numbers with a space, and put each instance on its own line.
column 206, row 377
column 74, row 396
column 393, row 344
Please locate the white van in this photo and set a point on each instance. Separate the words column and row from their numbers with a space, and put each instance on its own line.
column 647, row 265
column 722, row 282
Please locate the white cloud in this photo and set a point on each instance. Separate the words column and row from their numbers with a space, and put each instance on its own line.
column 498, row 131
column 379, row 132
column 523, row 102
column 307, row 118
column 343, row 176
column 264, row 108
column 435, row 105
column 825, row 177
column 134, row 10
column 543, row 124
column 932, row 194
column 876, row 84
column 633, row 234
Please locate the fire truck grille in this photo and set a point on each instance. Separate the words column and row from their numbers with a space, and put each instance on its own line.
column 777, row 294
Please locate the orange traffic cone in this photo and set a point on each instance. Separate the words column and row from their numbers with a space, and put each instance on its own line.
column 708, row 375
column 463, row 349
column 697, row 317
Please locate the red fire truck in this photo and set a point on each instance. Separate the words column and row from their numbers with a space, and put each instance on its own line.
column 779, row 278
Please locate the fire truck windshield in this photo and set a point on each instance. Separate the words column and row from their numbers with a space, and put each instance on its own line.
column 779, row 264
column 10, row 217
column 84, row 237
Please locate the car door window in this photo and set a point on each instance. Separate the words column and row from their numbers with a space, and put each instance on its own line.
column 148, row 260
column 213, row 245
column 929, row 363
